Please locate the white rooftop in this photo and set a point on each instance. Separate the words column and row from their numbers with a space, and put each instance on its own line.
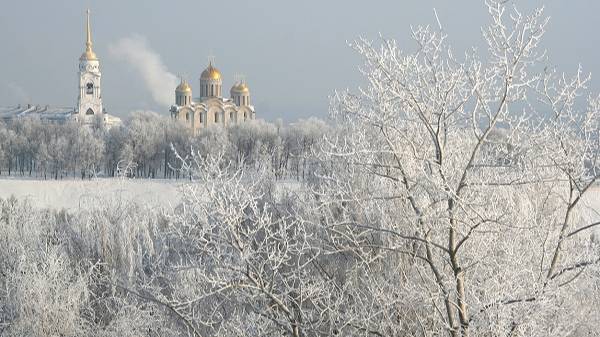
column 43, row 112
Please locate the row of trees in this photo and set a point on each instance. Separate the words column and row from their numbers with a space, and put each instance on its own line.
column 151, row 146
column 435, row 208
column 31, row 147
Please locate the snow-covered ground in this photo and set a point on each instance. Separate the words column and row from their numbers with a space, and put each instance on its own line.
column 70, row 194
column 591, row 208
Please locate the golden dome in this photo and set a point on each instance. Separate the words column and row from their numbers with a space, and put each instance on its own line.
column 240, row 88
column 184, row 87
column 211, row 73
column 88, row 55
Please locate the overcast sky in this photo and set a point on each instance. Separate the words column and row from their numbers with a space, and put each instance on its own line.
column 293, row 54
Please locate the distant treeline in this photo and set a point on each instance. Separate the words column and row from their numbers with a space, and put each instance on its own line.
column 152, row 146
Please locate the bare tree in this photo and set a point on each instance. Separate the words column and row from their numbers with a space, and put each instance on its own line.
column 464, row 176
column 234, row 259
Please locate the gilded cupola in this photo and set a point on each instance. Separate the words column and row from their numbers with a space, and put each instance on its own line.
column 184, row 87
column 240, row 93
column 211, row 73
column 183, row 94
column 211, row 82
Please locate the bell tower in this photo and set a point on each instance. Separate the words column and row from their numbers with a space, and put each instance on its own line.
column 89, row 102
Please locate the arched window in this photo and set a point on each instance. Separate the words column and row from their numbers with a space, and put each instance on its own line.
column 245, row 115
column 89, row 88
column 232, row 116
column 201, row 118
column 187, row 116
column 216, row 117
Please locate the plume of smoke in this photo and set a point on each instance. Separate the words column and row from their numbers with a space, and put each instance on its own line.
column 158, row 80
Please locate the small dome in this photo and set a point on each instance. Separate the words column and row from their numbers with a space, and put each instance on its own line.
column 184, row 87
column 89, row 56
column 240, row 87
column 211, row 73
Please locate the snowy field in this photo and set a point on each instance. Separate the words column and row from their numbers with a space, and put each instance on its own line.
column 70, row 194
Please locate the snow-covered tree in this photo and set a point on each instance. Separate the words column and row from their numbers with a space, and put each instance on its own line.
column 459, row 181
column 115, row 141
column 237, row 259
column 302, row 141
column 43, row 292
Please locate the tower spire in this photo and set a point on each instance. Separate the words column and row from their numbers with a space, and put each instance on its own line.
column 88, row 42
column 89, row 54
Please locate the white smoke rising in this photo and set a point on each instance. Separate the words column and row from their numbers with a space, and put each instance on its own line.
column 136, row 52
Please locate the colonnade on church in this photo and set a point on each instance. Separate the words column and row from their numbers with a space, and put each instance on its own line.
column 198, row 118
column 211, row 90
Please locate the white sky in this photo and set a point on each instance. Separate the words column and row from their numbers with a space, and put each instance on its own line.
column 293, row 54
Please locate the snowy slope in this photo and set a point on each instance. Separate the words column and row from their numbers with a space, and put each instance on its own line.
column 70, row 194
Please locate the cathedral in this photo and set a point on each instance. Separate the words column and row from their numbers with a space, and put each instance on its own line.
column 211, row 108
column 89, row 109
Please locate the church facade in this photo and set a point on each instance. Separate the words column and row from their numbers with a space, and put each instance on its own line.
column 210, row 107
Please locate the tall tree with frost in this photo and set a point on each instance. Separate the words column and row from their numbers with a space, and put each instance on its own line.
column 465, row 177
